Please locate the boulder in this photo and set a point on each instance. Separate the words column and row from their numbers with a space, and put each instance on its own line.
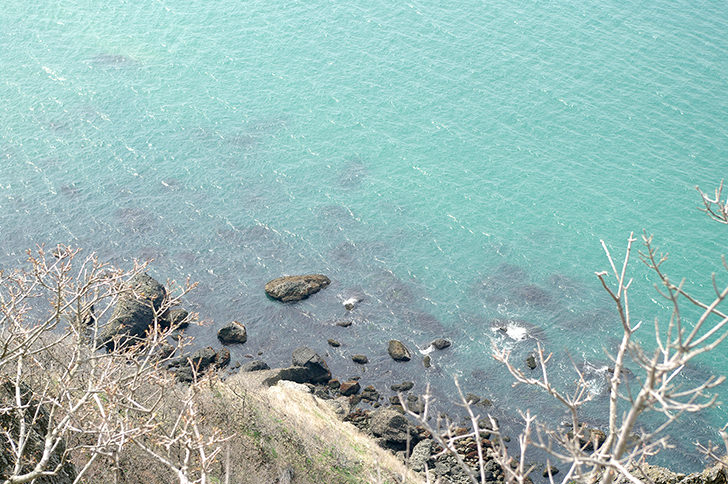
column 392, row 428
column 295, row 288
column 531, row 362
column 398, row 351
column 349, row 388
column 405, row 386
column 255, row 365
column 317, row 369
column 333, row 343
column 201, row 360
column 420, row 455
column 134, row 313
column 361, row 359
column 370, row 394
column 178, row 318
column 441, row 343
column 296, row 374
column 223, row 357
column 233, row 332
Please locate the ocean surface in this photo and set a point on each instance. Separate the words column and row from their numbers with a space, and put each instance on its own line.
column 453, row 164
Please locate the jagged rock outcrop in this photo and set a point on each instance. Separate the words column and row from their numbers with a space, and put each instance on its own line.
column 135, row 311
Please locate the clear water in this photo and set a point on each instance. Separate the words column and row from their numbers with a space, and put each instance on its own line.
column 448, row 162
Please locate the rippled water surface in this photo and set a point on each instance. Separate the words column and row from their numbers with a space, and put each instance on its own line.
column 455, row 165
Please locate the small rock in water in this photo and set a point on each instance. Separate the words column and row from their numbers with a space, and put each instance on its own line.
column 350, row 303
column 343, row 324
column 531, row 362
column 361, row 359
column 334, row 343
column 427, row 361
column 441, row 343
column 398, row 351
column 349, row 388
column 233, row 332
column 550, row 469
column 405, row 386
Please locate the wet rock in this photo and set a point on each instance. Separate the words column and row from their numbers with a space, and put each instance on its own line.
column 398, row 351
column 361, row 359
column 405, row 386
column 223, row 357
column 441, row 343
column 349, row 388
column 333, row 343
column 550, row 470
column 295, row 288
column 334, row 384
column 255, row 365
column 427, row 361
column 178, row 318
column 233, row 332
column 134, row 313
column 531, row 362
column 344, row 324
column 316, row 366
column 415, row 404
column 370, row 394
column 351, row 303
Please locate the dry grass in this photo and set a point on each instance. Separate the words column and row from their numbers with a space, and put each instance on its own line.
column 278, row 435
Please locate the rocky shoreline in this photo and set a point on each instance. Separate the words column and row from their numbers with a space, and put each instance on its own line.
column 383, row 418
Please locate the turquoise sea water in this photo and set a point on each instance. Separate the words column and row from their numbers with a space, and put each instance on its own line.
column 452, row 164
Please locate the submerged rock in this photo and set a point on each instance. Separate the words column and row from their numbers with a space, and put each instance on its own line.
column 398, row 351
column 233, row 332
column 295, row 288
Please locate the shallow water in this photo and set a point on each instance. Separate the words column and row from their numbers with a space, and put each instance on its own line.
column 452, row 165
